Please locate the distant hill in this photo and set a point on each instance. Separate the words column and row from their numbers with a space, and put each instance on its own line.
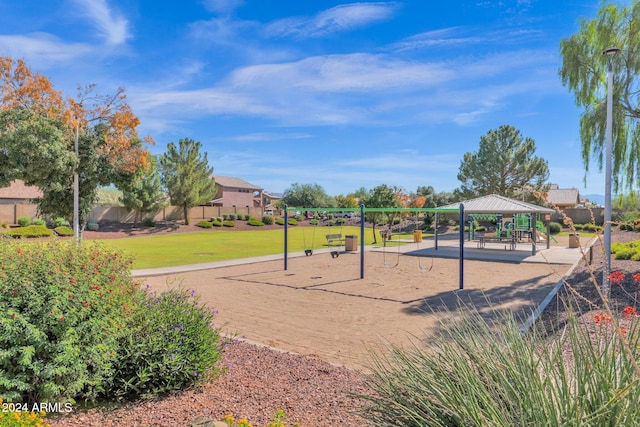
column 595, row 198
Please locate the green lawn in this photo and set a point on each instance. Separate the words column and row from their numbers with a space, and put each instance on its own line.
column 218, row 245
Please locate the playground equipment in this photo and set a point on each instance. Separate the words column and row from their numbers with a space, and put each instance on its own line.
column 417, row 238
column 386, row 238
column 308, row 251
column 362, row 210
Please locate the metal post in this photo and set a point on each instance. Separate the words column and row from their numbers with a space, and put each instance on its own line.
column 362, row 241
column 606, row 270
column 549, row 234
column 435, row 233
column 461, row 260
column 76, row 193
column 533, row 233
column 286, row 236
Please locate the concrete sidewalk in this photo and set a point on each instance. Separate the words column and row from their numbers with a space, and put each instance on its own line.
column 556, row 254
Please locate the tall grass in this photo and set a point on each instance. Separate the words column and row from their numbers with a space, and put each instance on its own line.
column 483, row 372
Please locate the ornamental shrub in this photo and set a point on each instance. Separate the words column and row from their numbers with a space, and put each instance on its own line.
column 4, row 224
column 24, row 221
column 63, row 231
column 216, row 223
column 204, row 224
column 555, row 227
column 93, row 226
column 22, row 418
column 228, row 224
column 625, row 251
column 481, row 370
column 255, row 222
column 169, row 344
column 225, row 217
column 268, row 219
column 314, row 222
column 62, row 311
column 148, row 222
column 60, row 221
column 247, row 217
column 39, row 221
column 341, row 221
column 30, row 231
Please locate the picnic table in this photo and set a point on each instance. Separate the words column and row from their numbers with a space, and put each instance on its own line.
column 511, row 240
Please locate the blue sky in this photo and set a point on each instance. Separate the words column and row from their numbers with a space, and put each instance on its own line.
column 341, row 94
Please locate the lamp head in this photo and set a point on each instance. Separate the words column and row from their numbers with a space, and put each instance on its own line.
column 612, row 51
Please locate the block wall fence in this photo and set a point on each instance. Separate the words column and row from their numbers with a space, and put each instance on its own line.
column 11, row 212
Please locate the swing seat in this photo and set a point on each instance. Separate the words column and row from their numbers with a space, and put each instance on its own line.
column 308, row 252
column 335, row 254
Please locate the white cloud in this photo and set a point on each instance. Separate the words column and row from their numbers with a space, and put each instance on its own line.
column 41, row 49
column 112, row 27
column 403, row 159
column 265, row 136
column 222, row 31
column 342, row 73
column 443, row 37
column 335, row 20
column 222, row 6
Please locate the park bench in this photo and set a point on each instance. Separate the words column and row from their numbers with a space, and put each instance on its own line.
column 335, row 240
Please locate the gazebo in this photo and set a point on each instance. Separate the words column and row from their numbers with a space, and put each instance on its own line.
column 499, row 206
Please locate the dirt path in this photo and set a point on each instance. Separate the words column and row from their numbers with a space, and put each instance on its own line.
column 320, row 307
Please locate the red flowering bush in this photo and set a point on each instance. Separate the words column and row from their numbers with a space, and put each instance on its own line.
column 61, row 311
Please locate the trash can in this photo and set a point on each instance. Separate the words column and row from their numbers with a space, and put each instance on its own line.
column 417, row 236
column 351, row 243
column 574, row 241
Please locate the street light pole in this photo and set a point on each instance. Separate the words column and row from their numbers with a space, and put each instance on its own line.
column 76, row 194
column 606, row 270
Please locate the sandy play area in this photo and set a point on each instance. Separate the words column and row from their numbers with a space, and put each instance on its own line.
column 321, row 307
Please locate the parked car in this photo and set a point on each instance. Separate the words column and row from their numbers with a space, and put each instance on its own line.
column 341, row 214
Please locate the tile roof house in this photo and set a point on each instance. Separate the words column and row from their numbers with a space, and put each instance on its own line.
column 563, row 197
column 237, row 192
column 18, row 192
column 269, row 198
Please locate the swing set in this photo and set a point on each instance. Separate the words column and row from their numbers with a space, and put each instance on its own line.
column 417, row 239
column 335, row 241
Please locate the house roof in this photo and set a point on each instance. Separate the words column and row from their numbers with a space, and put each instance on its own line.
column 18, row 190
column 274, row 195
column 564, row 196
column 231, row 181
column 498, row 204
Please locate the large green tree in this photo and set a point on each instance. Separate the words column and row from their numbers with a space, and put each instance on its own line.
column 94, row 170
column 381, row 196
column 33, row 148
column 187, row 176
column 143, row 192
column 38, row 128
column 584, row 72
column 307, row 196
column 504, row 164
